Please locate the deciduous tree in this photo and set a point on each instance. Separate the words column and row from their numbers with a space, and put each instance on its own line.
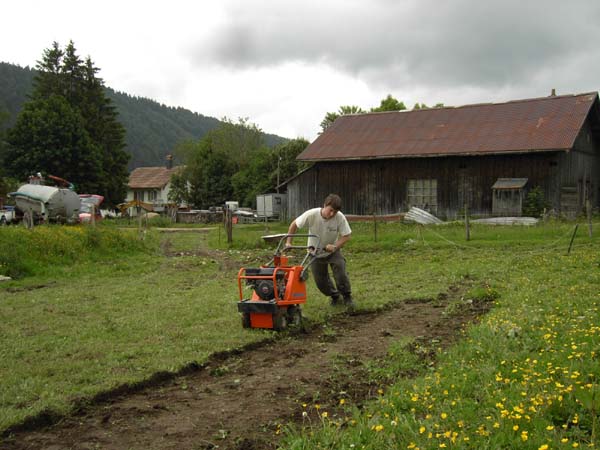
column 389, row 104
column 342, row 111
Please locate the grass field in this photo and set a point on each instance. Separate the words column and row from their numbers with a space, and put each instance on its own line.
column 92, row 310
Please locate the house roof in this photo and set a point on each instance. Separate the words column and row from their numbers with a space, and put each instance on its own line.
column 539, row 124
column 150, row 177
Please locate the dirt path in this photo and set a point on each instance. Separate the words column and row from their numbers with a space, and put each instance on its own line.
column 239, row 400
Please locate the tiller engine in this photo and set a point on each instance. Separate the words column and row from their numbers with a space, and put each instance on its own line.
column 278, row 289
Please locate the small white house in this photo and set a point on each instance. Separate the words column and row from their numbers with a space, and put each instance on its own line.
column 151, row 185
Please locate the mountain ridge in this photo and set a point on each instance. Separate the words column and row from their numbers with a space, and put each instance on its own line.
column 152, row 129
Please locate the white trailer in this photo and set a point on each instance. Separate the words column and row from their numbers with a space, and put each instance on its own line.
column 271, row 206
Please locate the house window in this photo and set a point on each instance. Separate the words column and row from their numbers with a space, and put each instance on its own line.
column 151, row 196
column 422, row 194
column 138, row 195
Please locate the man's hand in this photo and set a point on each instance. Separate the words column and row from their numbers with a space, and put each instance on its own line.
column 330, row 248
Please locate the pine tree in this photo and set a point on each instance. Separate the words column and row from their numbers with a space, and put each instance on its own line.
column 83, row 140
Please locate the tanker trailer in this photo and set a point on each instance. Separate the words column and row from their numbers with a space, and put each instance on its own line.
column 38, row 203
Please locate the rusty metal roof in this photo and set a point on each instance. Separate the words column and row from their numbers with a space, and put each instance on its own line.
column 539, row 124
column 510, row 183
column 150, row 177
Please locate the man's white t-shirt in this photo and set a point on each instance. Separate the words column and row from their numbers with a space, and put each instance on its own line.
column 327, row 230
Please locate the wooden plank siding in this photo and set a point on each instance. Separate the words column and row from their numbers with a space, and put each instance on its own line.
column 379, row 186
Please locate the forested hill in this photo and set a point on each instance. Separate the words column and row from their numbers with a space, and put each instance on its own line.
column 153, row 129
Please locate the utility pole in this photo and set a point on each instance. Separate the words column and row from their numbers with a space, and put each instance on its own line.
column 278, row 168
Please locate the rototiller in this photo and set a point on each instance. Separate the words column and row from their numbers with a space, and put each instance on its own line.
column 278, row 289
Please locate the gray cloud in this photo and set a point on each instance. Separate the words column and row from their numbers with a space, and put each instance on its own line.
column 399, row 43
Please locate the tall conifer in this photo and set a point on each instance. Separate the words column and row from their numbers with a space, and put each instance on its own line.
column 67, row 94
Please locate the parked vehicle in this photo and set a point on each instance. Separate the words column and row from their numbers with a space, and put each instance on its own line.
column 38, row 204
column 90, row 205
column 8, row 215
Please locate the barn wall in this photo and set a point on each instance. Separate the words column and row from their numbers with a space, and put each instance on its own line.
column 379, row 186
column 580, row 169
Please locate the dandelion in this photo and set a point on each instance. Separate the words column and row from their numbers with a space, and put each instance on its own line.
column 443, row 415
column 378, row 428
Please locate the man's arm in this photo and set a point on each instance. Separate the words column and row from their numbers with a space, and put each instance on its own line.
column 338, row 244
column 291, row 230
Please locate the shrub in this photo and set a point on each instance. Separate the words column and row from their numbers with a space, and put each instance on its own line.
column 535, row 203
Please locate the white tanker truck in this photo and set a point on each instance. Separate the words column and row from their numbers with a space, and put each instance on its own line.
column 37, row 203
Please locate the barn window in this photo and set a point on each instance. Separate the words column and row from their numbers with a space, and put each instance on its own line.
column 422, row 194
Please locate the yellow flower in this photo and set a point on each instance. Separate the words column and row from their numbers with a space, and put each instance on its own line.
column 515, row 427
column 443, row 415
column 421, row 430
column 325, row 414
column 342, row 401
column 378, row 428
column 550, row 427
column 543, row 447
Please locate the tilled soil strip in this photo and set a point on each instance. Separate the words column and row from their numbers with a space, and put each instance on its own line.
column 240, row 401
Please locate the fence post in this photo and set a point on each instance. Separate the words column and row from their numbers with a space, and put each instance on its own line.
column 229, row 225
column 572, row 238
column 588, row 207
column 467, row 225
column 375, row 226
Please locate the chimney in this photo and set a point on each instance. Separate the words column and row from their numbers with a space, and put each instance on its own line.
column 553, row 93
column 169, row 163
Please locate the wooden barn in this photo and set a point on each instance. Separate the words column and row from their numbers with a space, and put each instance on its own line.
column 485, row 156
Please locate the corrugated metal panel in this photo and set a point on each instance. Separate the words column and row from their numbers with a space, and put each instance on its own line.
column 542, row 124
column 510, row 183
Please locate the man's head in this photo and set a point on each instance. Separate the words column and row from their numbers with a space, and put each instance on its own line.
column 331, row 205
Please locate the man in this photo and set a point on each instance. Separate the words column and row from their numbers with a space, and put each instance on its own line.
column 333, row 230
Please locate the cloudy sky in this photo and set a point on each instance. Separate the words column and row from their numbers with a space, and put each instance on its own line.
column 284, row 64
